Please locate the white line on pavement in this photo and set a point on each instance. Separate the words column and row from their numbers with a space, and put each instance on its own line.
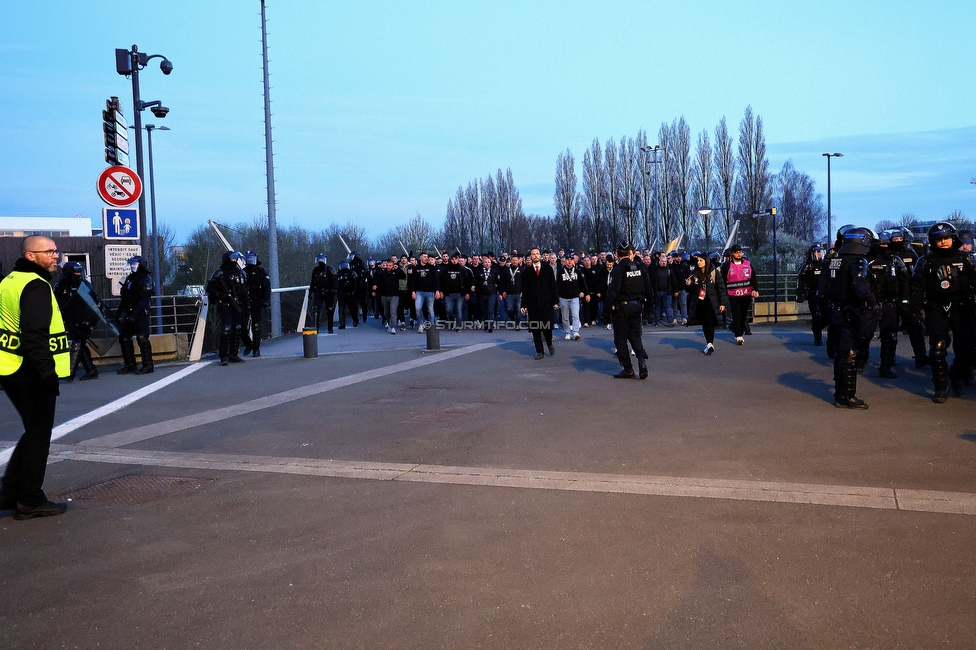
column 76, row 423
column 669, row 486
column 138, row 434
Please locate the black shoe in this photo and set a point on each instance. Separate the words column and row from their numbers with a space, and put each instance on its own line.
column 247, row 350
column 8, row 504
column 850, row 403
column 223, row 361
column 642, row 373
column 125, row 370
column 46, row 509
column 89, row 375
column 940, row 396
column 887, row 374
column 540, row 356
column 145, row 370
column 257, row 353
column 921, row 362
column 235, row 359
column 817, row 343
column 552, row 350
column 626, row 373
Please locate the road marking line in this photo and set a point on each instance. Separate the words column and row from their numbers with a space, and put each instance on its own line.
column 65, row 428
column 668, row 486
column 138, row 434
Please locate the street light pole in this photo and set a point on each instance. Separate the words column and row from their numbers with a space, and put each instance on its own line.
column 269, row 162
column 155, row 233
column 830, row 230
column 129, row 62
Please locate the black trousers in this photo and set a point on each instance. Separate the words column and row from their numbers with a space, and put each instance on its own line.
column 25, row 471
column 541, row 328
column 740, row 313
column 626, row 320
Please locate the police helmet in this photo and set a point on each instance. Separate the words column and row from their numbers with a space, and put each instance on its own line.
column 250, row 257
column 942, row 230
column 965, row 236
column 71, row 268
column 137, row 262
column 321, row 259
column 814, row 248
column 685, row 257
column 858, row 241
column 714, row 258
column 884, row 237
column 843, row 230
column 344, row 264
column 230, row 256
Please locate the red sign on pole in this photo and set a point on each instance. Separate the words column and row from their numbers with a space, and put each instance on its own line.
column 119, row 186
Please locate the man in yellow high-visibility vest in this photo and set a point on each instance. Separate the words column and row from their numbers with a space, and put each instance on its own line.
column 34, row 354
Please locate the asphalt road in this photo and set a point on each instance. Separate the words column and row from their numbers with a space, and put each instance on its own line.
column 385, row 496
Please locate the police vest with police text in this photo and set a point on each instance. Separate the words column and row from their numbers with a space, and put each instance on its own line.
column 11, row 358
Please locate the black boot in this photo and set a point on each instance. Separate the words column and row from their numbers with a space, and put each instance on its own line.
column 223, row 347
column 887, row 360
column 256, row 340
column 145, row 351
column 642, row 368
column 235, row 343
column 845, row 381
column 84, row 354
column 128, row 356
column 940, row 372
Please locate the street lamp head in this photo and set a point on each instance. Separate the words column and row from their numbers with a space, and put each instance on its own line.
column 166, row 66
column 704, row 211
column 834, row 155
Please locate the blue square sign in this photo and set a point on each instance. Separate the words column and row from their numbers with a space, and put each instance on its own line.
column 120, row 223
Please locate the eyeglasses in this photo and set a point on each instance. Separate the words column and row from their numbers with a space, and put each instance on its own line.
column 47, row 252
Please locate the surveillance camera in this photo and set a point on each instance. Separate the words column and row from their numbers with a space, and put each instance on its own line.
column 166, row 66
column 160, row 111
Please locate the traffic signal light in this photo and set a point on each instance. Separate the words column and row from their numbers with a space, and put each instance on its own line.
column 116, row 135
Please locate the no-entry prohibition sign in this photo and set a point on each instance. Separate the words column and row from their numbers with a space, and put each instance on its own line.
column 119, row 186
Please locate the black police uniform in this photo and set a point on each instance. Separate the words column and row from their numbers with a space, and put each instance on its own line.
column 808, row 289
column 258, row 298
column 228, row 293
column 133, row 316
column 322, row 286
column 629, row 288
column 69, row 284
column 347, row 291
column 849, row 294
column 942, row 289
column 912, row 325
column 889, row 283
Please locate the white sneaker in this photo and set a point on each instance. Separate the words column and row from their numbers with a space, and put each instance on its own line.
column 420, row 330
column 609, row 328
column 709, row 349
column 576, row 336
column 739, row 341
column 568, row 336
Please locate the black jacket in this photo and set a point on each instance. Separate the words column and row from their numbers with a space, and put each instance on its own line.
column 539, row 292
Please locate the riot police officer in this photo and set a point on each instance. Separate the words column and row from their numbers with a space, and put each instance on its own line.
column 808, row 289
column 889, row 280
column 322, row 286
column 364, row 280
column 133, row 317
column 72, row 279
column 630, row 287
column 830, row 264
column 347, row 292
column 942, row 295
column 900, row 245
column 258, row 298
column 228, row 294
column 849, row 294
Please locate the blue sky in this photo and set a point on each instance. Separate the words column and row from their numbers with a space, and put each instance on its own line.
column 382, row 109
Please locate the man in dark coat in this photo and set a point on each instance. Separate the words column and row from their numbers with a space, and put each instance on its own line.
column 540, row 298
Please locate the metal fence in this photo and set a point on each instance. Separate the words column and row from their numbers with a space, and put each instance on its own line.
column 785, row 283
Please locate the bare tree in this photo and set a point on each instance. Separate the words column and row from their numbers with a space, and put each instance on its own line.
column 725, row 175
column 612, row 215
column 681, row 155
column 628, row 184
column 703, row 186
column 567, row 199
column 753, row 183
column 594, row 192
column 801, row 210
column 667, row 189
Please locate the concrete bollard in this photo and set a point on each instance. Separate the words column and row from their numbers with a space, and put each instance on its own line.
column 310, row 342
column 433, row 337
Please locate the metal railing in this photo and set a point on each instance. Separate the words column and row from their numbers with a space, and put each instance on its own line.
column 786, row 286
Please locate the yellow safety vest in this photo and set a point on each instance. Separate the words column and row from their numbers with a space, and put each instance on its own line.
column 11, row 358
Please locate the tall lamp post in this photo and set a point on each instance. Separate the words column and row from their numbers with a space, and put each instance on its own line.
column 155, row 233
column 654, row 151
column 830, row 230
column 129, row 63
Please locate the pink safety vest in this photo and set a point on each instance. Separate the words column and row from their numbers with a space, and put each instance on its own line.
column 739, row 282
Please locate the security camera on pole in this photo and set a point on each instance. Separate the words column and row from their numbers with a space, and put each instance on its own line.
column 129, row 63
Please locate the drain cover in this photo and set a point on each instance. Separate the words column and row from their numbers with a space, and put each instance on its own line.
column 134, row 490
